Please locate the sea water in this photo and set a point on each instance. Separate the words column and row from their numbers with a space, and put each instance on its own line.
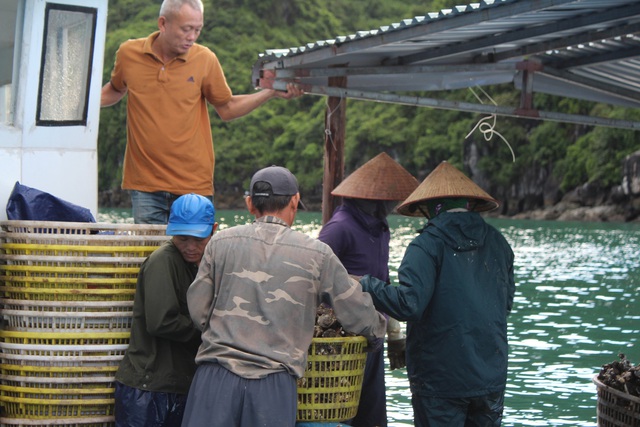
column 576, row 308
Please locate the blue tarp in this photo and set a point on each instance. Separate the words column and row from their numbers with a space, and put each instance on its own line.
column 29, row 204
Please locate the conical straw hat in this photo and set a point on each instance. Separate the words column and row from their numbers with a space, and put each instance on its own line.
column 445, row 182
column 381, row 178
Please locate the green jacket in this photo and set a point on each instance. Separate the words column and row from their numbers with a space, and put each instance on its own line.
column 456, row 289
column 164, row 341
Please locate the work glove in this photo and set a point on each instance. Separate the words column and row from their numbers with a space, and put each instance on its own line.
column 396, row 344
column 396, row 352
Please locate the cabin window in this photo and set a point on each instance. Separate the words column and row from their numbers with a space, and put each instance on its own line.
column 11, row 17
column 65, row 75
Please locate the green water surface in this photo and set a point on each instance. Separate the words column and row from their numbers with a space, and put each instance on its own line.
column 576, row 307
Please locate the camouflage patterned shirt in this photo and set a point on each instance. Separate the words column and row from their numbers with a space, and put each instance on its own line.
column 256, row 294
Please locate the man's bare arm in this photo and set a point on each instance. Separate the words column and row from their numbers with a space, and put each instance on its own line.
column 110, row 95
column 241, row 105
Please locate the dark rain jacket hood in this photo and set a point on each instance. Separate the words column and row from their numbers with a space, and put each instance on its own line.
column 460, row 236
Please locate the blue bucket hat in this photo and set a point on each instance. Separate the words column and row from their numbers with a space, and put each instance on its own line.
column 191, row 215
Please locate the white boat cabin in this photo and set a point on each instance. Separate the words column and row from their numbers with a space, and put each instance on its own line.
column 51, row 62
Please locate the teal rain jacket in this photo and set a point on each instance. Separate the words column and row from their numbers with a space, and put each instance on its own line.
column 455, row 291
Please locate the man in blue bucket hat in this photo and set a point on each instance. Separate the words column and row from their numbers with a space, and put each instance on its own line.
column 154, row 376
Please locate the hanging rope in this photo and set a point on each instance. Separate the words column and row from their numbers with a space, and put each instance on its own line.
column 487, row 125
column 327, row 131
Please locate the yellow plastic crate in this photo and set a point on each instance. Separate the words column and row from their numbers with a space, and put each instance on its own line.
column 18, row 266
column 78, row 229
column 52, row 316
column 66, row 293
column 59, row 250
column 43, row 409
column 332, row 383
column 64, row 338
column 95, row 421
column 52, row 374
column 45, row 392
column 89, row 358
column 30, row 293
column 63, row 348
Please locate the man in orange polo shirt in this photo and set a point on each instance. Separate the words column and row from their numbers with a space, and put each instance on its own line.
column 169, row 79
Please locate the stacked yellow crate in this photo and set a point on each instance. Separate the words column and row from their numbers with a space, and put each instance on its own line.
column 66, row 295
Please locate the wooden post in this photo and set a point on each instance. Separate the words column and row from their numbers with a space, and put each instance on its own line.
column 335, row 124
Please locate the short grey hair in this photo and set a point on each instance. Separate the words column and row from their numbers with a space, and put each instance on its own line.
column 270, row 203
column 169, row 7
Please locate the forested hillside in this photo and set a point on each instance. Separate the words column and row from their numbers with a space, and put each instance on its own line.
column 551, row 158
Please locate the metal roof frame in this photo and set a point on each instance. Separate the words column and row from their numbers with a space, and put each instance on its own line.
column 582, row 49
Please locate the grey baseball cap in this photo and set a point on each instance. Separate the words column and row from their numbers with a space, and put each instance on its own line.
column 282, row 181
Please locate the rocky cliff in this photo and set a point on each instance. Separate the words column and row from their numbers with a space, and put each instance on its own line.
column 589, row 202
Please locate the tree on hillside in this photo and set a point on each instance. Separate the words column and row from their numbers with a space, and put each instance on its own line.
column 292, row 133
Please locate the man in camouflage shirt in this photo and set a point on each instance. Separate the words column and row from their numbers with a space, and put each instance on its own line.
column 255, row 298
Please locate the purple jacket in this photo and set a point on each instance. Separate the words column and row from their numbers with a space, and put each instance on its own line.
column 361, row 241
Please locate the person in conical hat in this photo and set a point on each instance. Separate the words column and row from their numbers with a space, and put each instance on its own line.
column 443, row 189
column 359, row 235
column 455, row 290
column 381, row 178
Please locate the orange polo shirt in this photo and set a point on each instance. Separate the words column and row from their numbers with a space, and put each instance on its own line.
column 169, row 142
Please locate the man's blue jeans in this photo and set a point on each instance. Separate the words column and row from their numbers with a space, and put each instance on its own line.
column 153, row 208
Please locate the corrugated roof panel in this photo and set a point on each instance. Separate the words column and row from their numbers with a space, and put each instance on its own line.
column 595, row 41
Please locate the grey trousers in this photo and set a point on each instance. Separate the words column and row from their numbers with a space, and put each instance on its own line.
column 218, row 397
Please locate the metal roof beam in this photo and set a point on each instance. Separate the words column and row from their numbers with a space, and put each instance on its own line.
column 297, row 73
column 616, row 55
column 564, row 42
column 588, row 83
column 463, row 106
column 528, row 33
